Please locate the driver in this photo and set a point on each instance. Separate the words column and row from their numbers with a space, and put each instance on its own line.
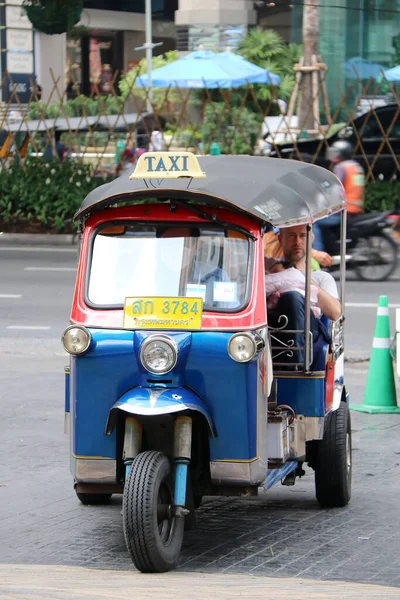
column 292, row 304
column 351, row 175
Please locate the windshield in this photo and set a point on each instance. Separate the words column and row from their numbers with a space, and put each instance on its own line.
column 198, row 261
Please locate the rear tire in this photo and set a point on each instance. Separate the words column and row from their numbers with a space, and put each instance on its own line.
column 153, row 535
column 381, row 257
column 333, row 460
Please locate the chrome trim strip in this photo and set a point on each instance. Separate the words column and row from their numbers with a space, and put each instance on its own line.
column 95, row 470
column 297, row 437
column 314, row 428
column 233, row 473
column 67, row 423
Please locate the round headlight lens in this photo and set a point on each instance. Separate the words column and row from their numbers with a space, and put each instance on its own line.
column 242, row 347
column 76, row 340
column 158, row 354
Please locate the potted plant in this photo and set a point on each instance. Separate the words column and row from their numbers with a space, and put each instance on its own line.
column 53, row 16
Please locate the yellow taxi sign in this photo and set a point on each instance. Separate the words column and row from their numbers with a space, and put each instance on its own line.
column 160, row 165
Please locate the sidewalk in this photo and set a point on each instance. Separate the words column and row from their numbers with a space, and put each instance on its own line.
column 72, row 583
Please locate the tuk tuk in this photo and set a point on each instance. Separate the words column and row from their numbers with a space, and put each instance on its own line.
column 176, row 387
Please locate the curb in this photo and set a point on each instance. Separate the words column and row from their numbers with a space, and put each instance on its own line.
column 356, row 358
column 65, row 583
column 38, row 239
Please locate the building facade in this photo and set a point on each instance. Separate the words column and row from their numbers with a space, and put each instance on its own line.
column 357, row 38
column 106, row 42
column 111, row 31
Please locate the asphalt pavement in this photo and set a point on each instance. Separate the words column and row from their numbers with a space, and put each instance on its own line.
column 277, row 545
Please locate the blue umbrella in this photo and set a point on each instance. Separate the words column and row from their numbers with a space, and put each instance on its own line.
column 393, row 74
column 244, row 65
column 361, row 68
column 207, row 69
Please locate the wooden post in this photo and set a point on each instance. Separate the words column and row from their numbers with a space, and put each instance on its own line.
column 322, row 75
column 315, row 91
column 310, row 47
column 293, row 97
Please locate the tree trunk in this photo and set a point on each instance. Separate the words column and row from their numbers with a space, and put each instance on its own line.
column 310, row 47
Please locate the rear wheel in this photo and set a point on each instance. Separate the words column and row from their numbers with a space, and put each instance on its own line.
column 333, row 460
column 153, row 534
column 375, row 257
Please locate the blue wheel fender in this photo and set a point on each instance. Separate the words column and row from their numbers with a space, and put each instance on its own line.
column 151, row 401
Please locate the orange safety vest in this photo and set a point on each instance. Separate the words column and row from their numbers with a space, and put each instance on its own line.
column 354, row 185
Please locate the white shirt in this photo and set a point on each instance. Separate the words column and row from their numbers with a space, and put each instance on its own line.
column 326, row 282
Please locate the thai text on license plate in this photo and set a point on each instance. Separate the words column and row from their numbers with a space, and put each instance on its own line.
column 163, row 313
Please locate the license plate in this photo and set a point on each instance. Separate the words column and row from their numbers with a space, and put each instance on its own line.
column 162, row 313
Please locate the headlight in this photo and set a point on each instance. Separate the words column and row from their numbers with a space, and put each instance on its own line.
column 158, row 354
column 76, row 340
column 242, row 347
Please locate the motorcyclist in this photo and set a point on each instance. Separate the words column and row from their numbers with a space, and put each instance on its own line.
column 351, row 174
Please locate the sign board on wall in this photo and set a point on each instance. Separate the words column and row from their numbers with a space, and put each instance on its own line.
column 20, row 62
column 17, row 59
column 15, row 17
column 19, row 39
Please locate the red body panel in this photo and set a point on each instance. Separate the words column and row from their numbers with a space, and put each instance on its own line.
column 252, row 317
column 329, row 385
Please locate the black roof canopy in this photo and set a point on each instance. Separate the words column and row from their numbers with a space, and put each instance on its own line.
column 271, row 190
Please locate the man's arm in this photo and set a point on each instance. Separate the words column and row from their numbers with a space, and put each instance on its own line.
column 323, row 258
column 329, row 305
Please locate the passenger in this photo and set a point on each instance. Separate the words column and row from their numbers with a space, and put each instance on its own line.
column 272, row 248
column 283, row 277
column 292, row 305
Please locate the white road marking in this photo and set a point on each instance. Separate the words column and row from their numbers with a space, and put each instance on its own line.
column 10, row 295
column 367, row 305
column 30, row 327
column 50, row 269
column 37, row 249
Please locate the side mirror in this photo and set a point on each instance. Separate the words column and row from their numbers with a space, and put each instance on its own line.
column 346, row 133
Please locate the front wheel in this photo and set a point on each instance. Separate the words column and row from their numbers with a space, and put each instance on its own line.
column 333, row 460
column 153, row 534
column 375, row 257
column 93, row 499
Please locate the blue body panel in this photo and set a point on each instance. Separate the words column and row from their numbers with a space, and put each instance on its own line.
column 305, row 394
column 230, row 390
column 111, row 371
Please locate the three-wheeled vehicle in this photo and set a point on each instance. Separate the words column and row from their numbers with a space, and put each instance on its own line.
column 176, row 387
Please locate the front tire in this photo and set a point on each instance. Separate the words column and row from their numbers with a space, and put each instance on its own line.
column 153, row 535
column 379, row 253
column 333, row 460
column 93, row 499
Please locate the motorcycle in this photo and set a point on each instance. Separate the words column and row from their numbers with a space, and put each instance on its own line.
column 370, row 249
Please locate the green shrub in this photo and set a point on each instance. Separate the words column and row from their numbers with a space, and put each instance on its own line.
column 382, row 196
column 235, row 129
column 77, row 107
column 43, row 196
